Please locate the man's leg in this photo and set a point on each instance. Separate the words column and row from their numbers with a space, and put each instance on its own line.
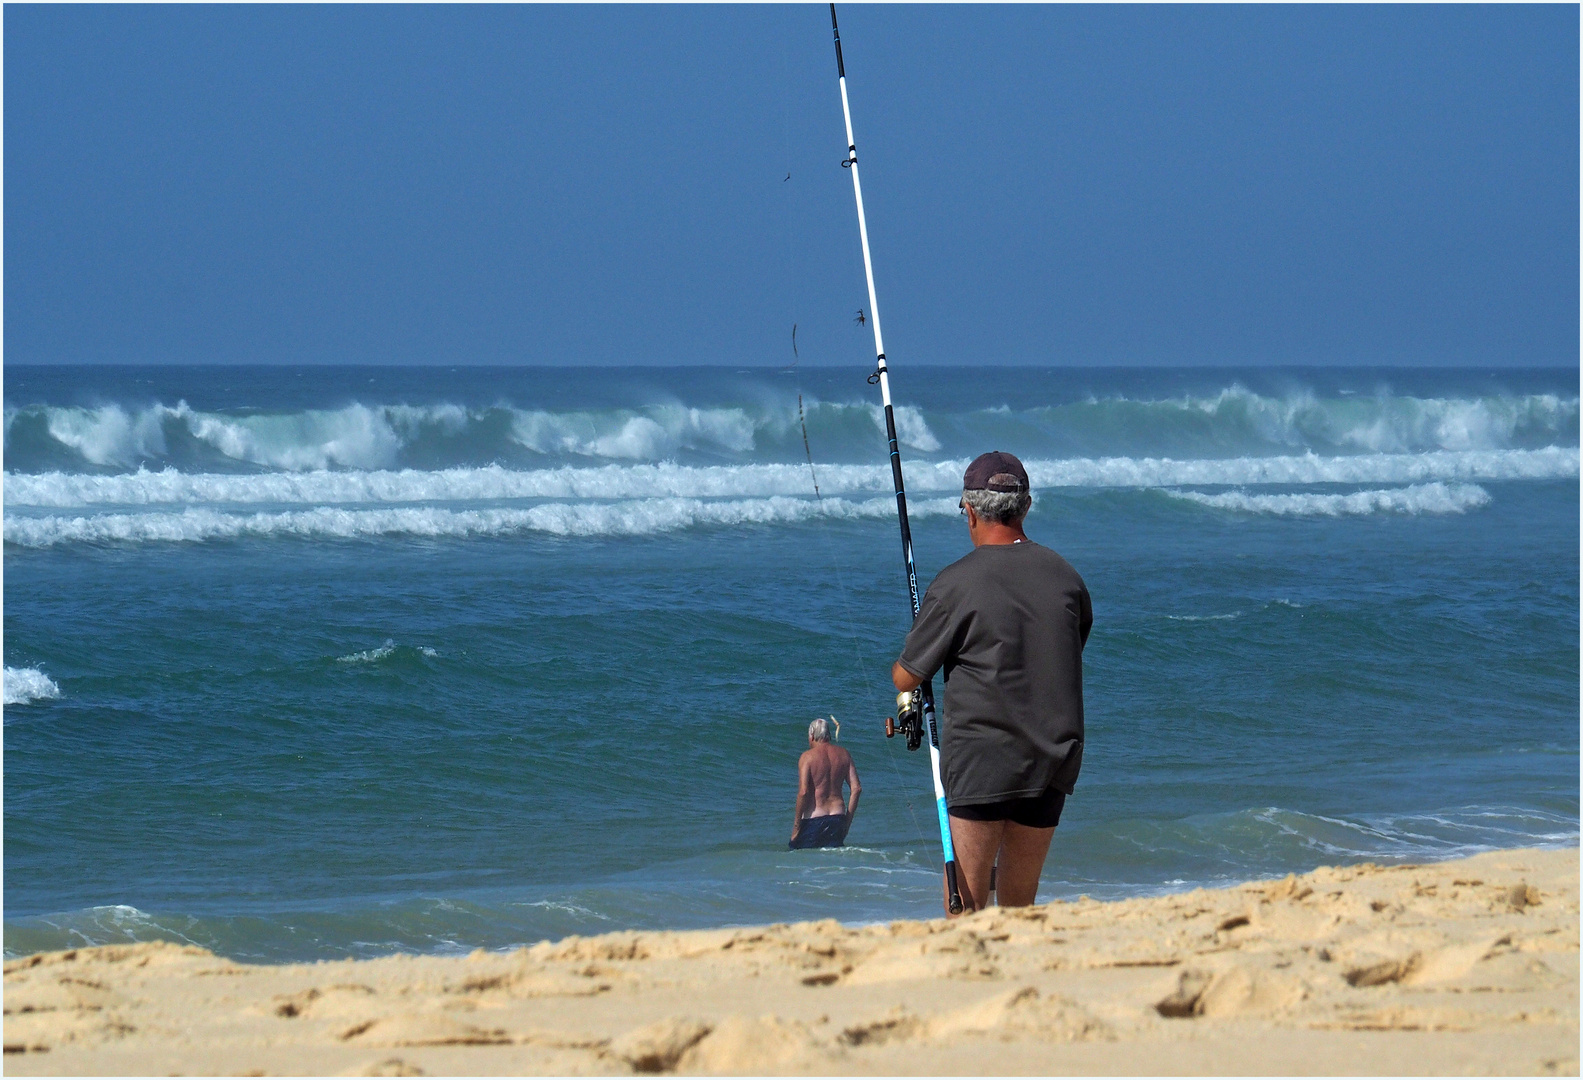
column 976, row 843
column 1022, row 852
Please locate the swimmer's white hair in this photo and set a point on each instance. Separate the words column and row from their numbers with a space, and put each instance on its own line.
column 822, row 730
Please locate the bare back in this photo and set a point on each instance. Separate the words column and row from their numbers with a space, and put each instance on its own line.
column 821, row 771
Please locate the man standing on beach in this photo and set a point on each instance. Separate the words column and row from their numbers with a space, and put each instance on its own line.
column 1007, row 622
column 822, row 817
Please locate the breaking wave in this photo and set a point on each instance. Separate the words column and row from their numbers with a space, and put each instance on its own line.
column 360, row 436
column 642, row 517
column 1380, row 423
column 670, row 480
column 172, row 473
column 1433, row 498
column 25, row 685
column 371, row 437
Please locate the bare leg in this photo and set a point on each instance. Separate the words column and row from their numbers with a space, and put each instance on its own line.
column 1022, row 852
column 976, row 844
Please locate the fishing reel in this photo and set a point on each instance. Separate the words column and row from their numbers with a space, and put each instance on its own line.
column 908, row 720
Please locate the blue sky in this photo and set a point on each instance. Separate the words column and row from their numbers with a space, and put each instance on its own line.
column 605, row 185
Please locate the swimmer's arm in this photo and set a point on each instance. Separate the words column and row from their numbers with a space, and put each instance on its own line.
column 857, row 789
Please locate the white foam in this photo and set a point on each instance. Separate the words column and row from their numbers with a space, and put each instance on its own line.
column 353, row 437
column 1551, row 462
column 656, row 432
column 356, row 437
column 108, row 435
column 669, row 480
column 24, row 685
column 1436, row 498
column 641, row 517
column 368, row 656
column 1381, row 423
column 911, row 430
column 371, row 656
column 360, row 436
column 373, row 436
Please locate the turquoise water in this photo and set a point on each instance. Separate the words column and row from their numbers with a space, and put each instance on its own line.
column 324, row 662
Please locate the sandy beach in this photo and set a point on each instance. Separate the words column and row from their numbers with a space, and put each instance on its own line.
column 1468, row 966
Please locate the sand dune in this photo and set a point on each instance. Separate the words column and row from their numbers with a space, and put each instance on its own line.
column 1459, row 967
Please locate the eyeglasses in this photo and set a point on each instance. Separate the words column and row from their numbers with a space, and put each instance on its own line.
column 961, row 507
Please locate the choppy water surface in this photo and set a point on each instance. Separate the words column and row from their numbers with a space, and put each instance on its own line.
column 327, row 662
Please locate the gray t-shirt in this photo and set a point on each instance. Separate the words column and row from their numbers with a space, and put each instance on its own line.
column 1008, row 623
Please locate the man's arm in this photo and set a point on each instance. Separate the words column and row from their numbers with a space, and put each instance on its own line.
column 928, row 643
column 904, row 679
column 857, row 789
column 804, row 792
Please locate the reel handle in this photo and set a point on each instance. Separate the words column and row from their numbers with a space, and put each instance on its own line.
column 890, row 727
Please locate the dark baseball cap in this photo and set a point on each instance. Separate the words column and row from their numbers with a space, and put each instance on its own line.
column 995, row 471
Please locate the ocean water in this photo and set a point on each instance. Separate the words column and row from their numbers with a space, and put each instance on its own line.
column 318, row 662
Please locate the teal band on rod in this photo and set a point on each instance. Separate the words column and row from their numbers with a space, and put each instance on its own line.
column 945, row 831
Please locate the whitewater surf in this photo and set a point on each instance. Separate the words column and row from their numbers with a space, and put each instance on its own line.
column 379, row 619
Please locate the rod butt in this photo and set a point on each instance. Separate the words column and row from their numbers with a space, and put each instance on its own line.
column 953, row 902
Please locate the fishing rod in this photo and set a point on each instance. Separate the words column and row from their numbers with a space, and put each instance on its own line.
column 921, row 701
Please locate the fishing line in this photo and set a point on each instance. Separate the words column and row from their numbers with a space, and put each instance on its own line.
column 860, row 659
column 881, row 371
column 858, row 656
column 804, row 425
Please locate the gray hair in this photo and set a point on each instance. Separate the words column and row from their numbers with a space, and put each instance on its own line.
column 999, row 507
column 822, row 730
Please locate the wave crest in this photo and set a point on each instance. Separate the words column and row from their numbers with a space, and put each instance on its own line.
column 1433, row 498
column 24, row 685
column 667, row 480
column 643, row 517
column 360, row 436
column 370, row 437
column 1382, row 423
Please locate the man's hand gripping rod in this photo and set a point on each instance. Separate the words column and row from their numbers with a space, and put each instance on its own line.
column 925, row 693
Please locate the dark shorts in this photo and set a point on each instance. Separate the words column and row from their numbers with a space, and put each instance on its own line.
column 826, row 831
column 1036, row 812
